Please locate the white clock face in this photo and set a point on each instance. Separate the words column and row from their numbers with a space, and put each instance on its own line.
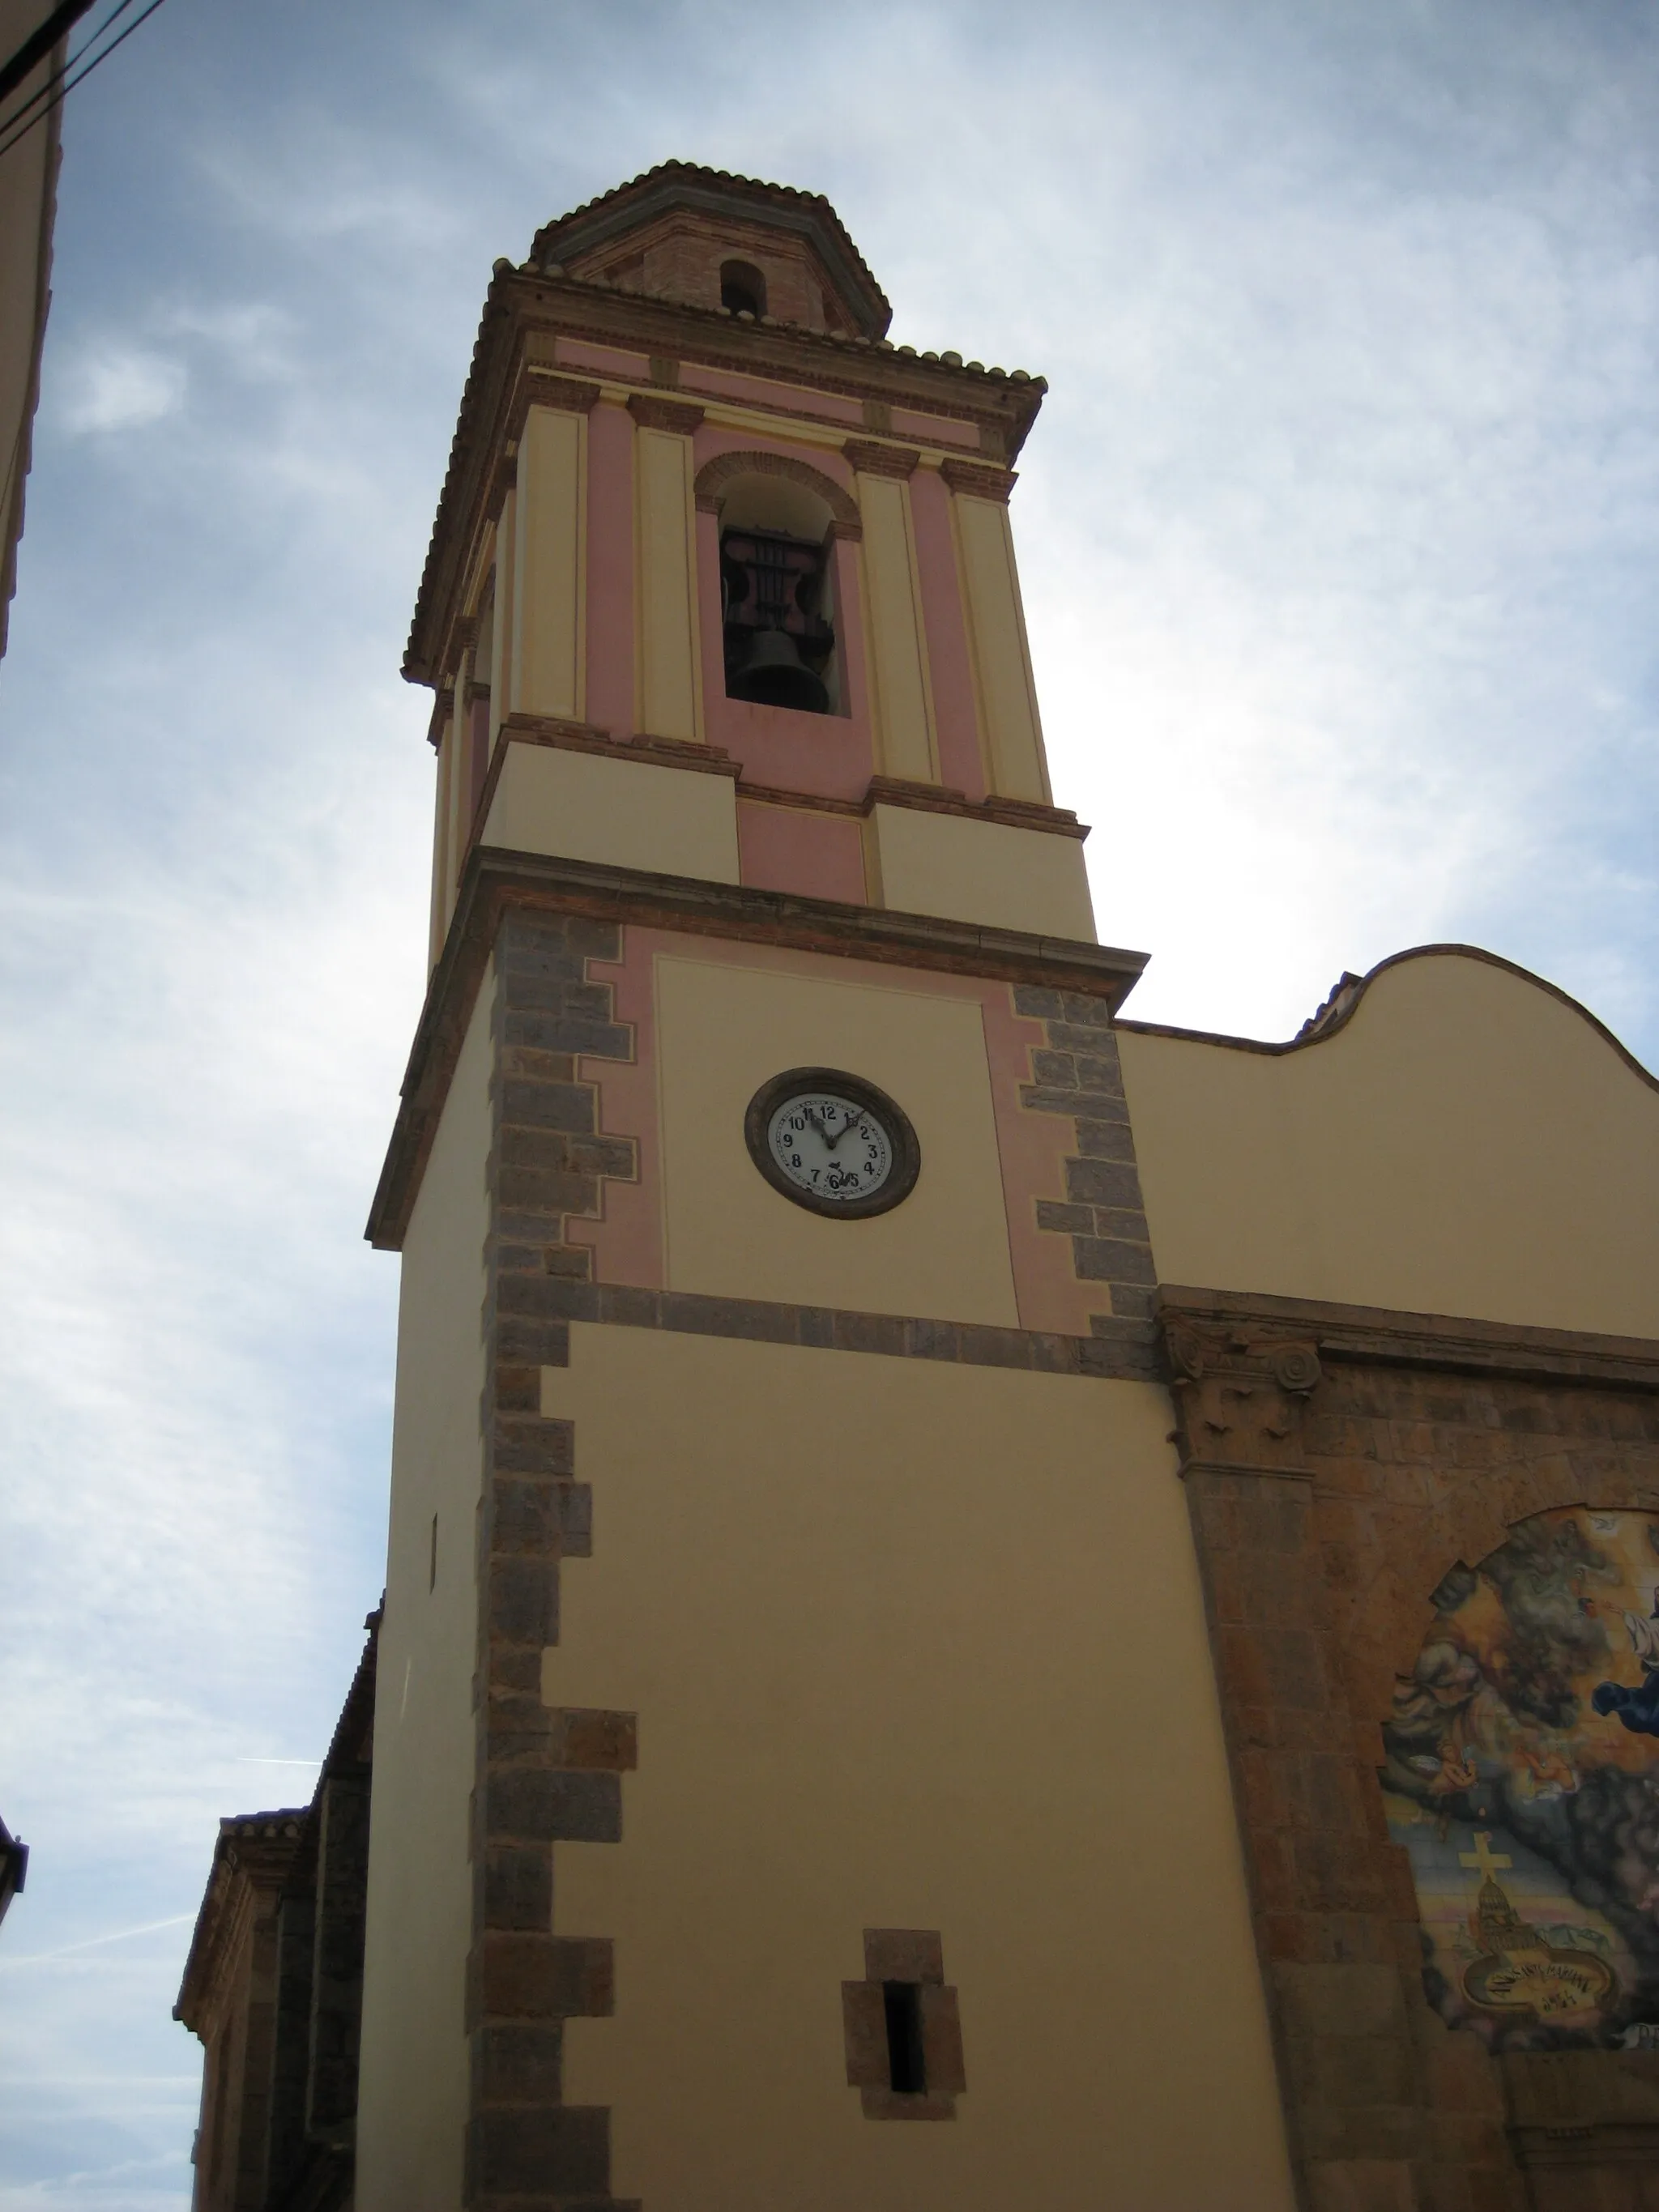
column 830, row 1148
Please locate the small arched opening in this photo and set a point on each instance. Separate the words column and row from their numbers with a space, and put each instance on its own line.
column 743, row 289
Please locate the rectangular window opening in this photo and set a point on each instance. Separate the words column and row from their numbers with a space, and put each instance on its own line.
column 907, row 2074
column 432, row 1566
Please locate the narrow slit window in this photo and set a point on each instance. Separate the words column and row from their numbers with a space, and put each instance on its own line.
column 432, row 1564
column 906, row 2068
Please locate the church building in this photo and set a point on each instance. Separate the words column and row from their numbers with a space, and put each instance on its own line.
column 988, row 1605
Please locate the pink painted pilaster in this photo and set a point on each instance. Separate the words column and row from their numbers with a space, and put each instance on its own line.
column 611, row 569
column 960, row 760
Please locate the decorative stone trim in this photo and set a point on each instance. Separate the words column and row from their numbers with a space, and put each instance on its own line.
column 978, row 481
column 1076, row 1072
column 495, row 883
column 714, row 476
column 914, row 1957
column 1339, row 1461
column 1119, row 1356
column 872, row 460
column 541, row 387
column 653, row 413
column 544, row 1775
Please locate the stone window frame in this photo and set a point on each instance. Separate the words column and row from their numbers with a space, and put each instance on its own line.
column 915, row 1956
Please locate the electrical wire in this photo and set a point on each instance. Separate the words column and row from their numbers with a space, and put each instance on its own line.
column 9, row 122
column 22, row 130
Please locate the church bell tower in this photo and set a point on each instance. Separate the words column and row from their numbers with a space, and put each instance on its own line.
column 798, row 1775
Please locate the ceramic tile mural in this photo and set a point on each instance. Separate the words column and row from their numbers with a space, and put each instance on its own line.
column 1523, row 1777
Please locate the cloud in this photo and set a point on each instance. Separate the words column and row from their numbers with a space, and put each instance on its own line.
column 118, row 386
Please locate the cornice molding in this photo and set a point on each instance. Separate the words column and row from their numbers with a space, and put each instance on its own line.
column 496, row 882
column 1217, row 1326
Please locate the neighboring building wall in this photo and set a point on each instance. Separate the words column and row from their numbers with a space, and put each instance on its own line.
column 413, row 2084
column 28, row 185
column 910, row 1646
column 1469, row 1141
column 229, row 2000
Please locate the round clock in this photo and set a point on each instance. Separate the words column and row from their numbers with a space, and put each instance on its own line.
column 832, row 1142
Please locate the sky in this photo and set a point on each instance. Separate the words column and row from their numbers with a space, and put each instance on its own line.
column 1340, row 545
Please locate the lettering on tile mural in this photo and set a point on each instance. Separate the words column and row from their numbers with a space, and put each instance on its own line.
column 1523, row 1778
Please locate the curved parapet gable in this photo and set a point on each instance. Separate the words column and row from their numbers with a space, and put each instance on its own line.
column 1451, row 1134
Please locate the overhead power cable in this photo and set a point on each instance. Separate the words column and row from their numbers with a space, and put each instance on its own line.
column 39, row 44
column 45, row 89
column 16, row 128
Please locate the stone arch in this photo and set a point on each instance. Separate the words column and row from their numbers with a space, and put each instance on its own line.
column 714, row 476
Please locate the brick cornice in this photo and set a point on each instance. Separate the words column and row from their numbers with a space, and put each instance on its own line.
column 653, row 413
column 496, row 883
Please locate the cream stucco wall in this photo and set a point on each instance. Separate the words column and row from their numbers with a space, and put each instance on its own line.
column 668, row 659
column 1002, row 658
column 1469, row 1144
column 893, row 629
column 722, row 1031
column 633, row 814
column 910, row 1646
column 547, row 604
column 413, row 2094
column 992, row 873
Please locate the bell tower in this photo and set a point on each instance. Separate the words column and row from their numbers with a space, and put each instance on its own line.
column 789, row 1593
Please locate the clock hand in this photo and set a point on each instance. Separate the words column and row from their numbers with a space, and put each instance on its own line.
column 833, row 1142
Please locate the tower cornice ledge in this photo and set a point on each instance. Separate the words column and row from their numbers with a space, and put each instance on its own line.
column 496, row 882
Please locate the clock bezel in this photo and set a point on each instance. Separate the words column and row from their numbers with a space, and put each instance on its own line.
column 902, row 1140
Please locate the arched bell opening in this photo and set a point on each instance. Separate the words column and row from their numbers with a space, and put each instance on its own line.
column 743, row 289
column 777, row 595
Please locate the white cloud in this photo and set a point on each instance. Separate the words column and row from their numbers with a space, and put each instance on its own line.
column 117, row 386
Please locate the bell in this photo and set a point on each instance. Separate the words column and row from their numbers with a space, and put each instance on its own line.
column 774, row 675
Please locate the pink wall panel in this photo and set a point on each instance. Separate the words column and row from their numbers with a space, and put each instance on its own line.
column 602, row 361
column 761, row 392
column 794, row 849
column 628, row 1242
column 611, row 569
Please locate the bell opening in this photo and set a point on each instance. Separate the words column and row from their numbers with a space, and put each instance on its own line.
column 780, row 643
